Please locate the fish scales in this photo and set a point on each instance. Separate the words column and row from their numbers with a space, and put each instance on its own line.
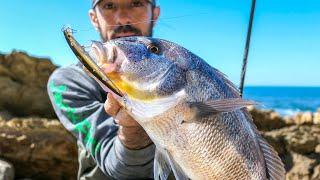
column 191, row 111
column 199, row 144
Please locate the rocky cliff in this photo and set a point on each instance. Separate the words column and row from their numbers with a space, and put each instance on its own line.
column 23, row 85
column 37, row 147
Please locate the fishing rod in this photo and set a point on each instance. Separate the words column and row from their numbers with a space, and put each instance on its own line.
column 247, row 47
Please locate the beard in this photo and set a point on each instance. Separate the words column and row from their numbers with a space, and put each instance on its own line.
column 128, row 29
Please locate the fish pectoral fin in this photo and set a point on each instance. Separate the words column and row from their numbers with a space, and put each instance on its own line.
column 204, row 109
column 161, row 167
column 164, row 165
column 274, row 165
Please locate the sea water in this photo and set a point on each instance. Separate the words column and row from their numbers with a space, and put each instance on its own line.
column 285, row 100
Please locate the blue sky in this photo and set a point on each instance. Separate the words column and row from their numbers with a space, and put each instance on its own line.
column 285, row 47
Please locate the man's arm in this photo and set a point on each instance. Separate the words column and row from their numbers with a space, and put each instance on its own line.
column 79, row 104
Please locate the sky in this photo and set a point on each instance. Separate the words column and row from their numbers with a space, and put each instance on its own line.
column 285, row 43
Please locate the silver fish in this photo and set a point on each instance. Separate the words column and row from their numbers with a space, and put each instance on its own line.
column 191, row 111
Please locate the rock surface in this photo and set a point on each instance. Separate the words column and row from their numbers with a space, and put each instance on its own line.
column 274, row 120
column 316, row 118
column 23, row 82
column 297, row 146
column 38, row 148
column 6, row 170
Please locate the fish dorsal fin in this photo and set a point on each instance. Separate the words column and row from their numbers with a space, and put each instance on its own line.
column 164, row 165
column 224, row 78
column 149, row 109
column 274, row 165
column 203, row 109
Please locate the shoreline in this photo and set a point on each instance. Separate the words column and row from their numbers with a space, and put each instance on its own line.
column 289, row 112
column 300, row 118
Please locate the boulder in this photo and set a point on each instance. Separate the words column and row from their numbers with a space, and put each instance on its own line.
column 289, row 120
column 267, row 120
column 302, row 139
column 316, row 173
column 303, row 167
column 5, row 115
column 6, row 170
column 38, row 148
column 23, row 82
column 276, row 140
column 1, row 57
column 303, row 118
column 316, row 118
column 299, row 148
column 317, row 149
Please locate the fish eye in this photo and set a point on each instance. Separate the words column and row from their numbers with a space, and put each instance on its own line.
column 154, row 49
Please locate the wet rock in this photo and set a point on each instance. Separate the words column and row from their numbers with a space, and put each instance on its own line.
column 6, row 170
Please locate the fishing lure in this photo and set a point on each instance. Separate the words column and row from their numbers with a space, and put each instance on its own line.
column 87, row 61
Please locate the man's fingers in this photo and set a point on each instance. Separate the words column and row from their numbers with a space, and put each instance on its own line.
column 111, row 105
column 124, row 119
column 134, row 137
column 113, row 108
column 130, row 131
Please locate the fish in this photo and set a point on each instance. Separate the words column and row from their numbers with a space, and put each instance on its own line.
column 194, row 115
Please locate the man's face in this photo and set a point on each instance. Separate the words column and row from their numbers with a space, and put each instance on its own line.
column 121, row 18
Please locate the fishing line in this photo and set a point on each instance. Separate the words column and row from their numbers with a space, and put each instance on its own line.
column 159, row 21
column 147, row 21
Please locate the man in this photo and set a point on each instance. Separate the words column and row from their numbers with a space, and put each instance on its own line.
column 113, row 147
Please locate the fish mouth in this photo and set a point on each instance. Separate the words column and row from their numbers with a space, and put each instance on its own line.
column 110, row 60
column 106, row 55
column 89, row 62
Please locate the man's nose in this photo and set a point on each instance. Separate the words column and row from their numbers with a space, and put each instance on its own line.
column 123, row 17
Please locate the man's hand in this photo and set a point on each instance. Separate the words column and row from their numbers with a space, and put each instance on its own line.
column 130, row 133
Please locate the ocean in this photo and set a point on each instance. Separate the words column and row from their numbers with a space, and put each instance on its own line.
column 285, row 100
